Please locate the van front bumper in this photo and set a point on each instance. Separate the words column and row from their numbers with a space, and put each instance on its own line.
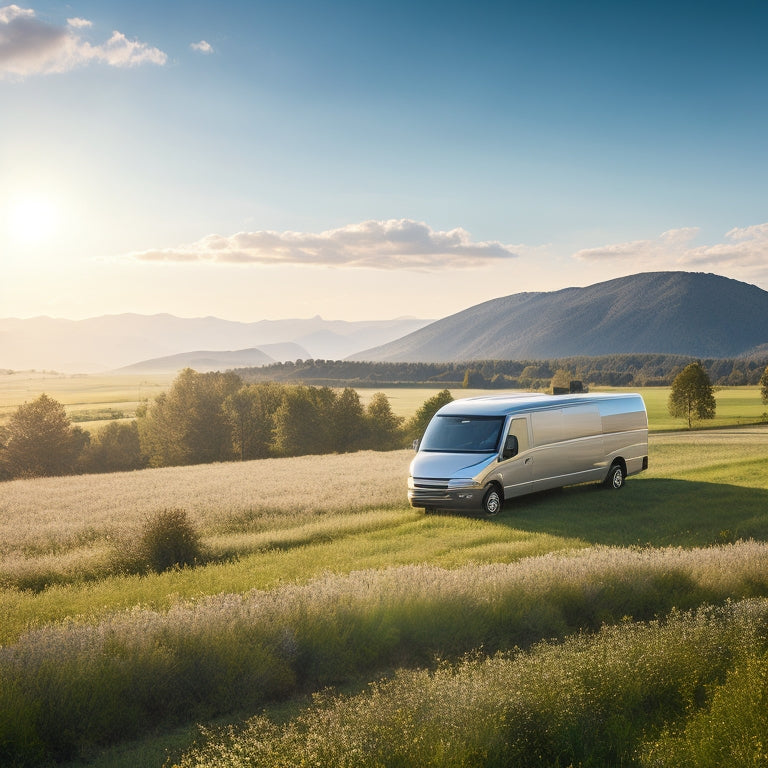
column 444, row 494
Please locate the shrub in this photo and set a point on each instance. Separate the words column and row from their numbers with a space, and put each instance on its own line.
column 169, row 540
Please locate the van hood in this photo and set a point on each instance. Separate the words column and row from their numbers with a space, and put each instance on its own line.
column 447, row 465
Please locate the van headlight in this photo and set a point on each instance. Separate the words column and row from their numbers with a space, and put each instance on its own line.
column 463, row 483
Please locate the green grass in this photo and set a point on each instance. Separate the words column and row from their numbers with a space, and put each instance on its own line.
column 344, row 595
column 81, row 393
column 736, row 406
column 596, row 701
column 701, row 489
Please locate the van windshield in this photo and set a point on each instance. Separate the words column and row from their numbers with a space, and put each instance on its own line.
column 463, row 434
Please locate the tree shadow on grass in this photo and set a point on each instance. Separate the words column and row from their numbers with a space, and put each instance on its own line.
column 646, row 512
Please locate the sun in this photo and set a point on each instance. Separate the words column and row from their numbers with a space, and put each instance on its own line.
column 32, row 219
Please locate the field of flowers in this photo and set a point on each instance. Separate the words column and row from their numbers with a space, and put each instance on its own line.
column 580, row 627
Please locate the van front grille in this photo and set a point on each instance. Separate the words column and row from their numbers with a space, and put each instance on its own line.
column 431, row 483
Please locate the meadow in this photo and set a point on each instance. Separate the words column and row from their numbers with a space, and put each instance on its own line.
column 321, row 575
column 579, row 627
column 90, row 400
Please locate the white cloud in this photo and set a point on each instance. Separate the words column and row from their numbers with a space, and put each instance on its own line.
column 31, row 46
column 79, row 23
column 202, row 47
column 743, row 252
column 393, row 244
column 669, row 245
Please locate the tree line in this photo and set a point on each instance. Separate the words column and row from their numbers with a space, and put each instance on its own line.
column 626, row 370
column 208, row 417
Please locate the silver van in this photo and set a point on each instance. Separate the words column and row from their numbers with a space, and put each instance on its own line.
column 480, row 451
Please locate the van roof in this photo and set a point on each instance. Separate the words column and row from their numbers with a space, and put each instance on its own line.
column 505, row 403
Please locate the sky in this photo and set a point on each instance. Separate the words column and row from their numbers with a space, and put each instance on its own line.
column 369, row 160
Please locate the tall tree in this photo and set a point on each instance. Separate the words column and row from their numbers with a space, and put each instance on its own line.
column 347, row 421
column 764, row 385
column 299, row 427
column 384, row 427
column 116, row 448
column 187, row 424
column 39, row 440
column 251, row 415
column 692, row 396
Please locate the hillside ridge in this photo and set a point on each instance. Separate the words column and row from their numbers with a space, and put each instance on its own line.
column 685, row 313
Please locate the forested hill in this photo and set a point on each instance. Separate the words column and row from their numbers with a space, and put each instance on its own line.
column 682, row 313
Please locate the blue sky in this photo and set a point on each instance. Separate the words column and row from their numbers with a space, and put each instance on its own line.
column 364, row 160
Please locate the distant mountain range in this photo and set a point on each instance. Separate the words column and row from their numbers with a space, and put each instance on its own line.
column 696, row 314
column 685, row 313
column 148, row 343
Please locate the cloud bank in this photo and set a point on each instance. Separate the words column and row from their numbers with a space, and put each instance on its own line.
column 31, row 46
column 393, row 244
column 744, row 250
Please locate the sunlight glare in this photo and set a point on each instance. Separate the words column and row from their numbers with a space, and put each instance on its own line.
column 32, row 220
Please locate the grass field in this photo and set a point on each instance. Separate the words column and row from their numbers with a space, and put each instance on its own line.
column 320, row 574
column 90, row 400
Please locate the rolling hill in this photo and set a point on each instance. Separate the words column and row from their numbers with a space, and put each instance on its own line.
column 685, row 313
column 215, row 360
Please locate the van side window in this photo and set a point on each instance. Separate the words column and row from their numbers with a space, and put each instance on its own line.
column 519, row 428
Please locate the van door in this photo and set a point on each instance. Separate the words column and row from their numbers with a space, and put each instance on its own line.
column 515, row 470
column 569, row 446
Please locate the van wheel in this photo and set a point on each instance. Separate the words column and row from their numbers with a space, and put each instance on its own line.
column 492, row 501
column 615, row 479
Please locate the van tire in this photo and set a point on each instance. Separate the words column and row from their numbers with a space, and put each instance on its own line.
column 492, row 501
column 615, row 478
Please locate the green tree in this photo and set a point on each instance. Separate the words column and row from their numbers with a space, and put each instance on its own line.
column 348, row 425
column 39, row 440
column 418, row 423
column 474, row 379
column 116, row 448
column 764, row 385
column 561, row 380
column 251, row 415
column 187, row 424
column 299, row 427
column 384, row 428
column 692, row 396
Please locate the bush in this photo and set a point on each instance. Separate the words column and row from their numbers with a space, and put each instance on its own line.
column 169, row 540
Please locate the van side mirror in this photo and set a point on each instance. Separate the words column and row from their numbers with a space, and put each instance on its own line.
column 510, row 447
column 416, row 444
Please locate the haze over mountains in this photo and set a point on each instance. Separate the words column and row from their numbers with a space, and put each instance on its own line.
column 115, row 341
column 696, row 314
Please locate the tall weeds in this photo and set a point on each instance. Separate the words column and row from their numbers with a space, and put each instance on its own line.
column 596, row 700
column 65, row 687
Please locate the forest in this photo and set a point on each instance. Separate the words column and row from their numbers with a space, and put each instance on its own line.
column 641, row 370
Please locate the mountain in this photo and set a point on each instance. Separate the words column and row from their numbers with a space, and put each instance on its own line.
column 202, row 361
column 685, row 313
column 115, row 341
